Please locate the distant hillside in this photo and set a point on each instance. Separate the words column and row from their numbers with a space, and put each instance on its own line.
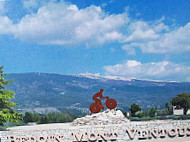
column 42, row 92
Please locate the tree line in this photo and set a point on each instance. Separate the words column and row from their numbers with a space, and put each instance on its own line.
column 52, row 117
column 180, row 101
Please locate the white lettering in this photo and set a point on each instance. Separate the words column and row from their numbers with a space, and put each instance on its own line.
column 131, row 133
column 92, row 137
column 172, row 132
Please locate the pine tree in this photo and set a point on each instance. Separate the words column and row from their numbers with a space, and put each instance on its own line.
column 6, row 106
column 182, row 100
column 134, row 108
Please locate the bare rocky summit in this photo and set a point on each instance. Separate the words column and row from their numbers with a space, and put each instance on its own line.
column 102, row 118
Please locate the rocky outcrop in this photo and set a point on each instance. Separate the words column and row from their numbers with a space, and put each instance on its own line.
column 102, row 118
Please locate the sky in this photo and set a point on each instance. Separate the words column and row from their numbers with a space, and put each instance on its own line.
column 143, row 39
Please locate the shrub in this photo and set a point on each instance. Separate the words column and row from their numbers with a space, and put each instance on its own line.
column 152, row 112
column 134, row 108
column 140, row 114
column 125, row 114
column 163, row 112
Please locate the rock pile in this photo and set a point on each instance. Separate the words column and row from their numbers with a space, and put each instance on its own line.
column 102, row 118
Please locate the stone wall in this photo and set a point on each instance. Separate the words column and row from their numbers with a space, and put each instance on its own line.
column 131, row 131
column 109, row 125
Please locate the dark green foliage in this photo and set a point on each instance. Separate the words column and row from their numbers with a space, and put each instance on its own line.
column 182, row 100
column 134, row 108
column 31, row 117
column 140, row 114
column 163, row 112
column 63, row 120
column 169, row 106
column 44, row 119
column 125, row 114
column 56, row 117
column 53, row 117
column 6, row 107
column 152, row 112
column 27, row 117
column 35, row 117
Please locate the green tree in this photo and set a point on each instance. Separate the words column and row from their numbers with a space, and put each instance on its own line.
column 44, row 119
column 134, row 108
column 169, row 106
column 6, row 106
column 163, row 112
column 35, row 117
column 27, row 117
column 152, row 112
column 31, row 117
column 125, row 114
column 140, row 114
column 182, row 100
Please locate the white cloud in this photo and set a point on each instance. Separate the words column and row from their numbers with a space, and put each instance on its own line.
column 111, row 36
column 63, row 23
column 5, row 25
column 140, row 31
column 164, row 70
column 156, row 37
column 174, row 41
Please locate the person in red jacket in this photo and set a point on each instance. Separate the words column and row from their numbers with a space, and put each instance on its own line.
column 97, row 96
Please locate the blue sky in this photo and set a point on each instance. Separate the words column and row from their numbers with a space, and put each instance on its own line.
column 141, row 39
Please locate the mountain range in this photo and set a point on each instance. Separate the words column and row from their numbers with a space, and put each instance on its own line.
column 45, row 92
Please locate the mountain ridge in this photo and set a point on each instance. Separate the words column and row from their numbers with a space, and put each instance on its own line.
column 44, row 92
column 97, row 76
